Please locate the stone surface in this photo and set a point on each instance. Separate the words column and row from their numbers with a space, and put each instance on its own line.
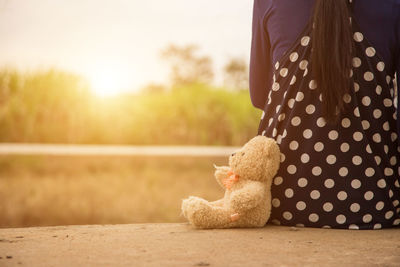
column 181, row 245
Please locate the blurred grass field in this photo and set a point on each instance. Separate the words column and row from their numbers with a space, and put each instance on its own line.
column 42, row 190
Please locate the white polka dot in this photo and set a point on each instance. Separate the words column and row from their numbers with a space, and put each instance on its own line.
column 283, row 72
column 389, row 214
column 277, row 65
column 357, row 112
column 357, row 136
column 289, row 193
column 388, row 171
column 369, row 172
column 343, row 171
column 353, row 227
column 274, row 132
column 346, row 123
column 291, row 169
column 310, row 109
column 368, row 76
column 333, row 135
column 377, row 138
column 312, row 85
column 329, row 183
column 284, row 133
column 351, row 73
column 377, row 113
column 293, row 56
column 357, row 160
column 378, row 160
column 299, row 96
column 341, row 219
column 344, row 147
column 307, row 133
column 358, row 37
column 342, row 195
column 301, row 205
column 319, row 146
column 356, row 62
column 328, row 207
column 278, row 180
column 305, row 73
column 380, row 66
column 365, row 124
column 305, row 40
column 313, row 217
column 278, row 107
column 291, row 103
column 396, row 203
column 393, row 160
column 380, row 205
column 370, row 51
column 316, row 171
column 367, row 218
column 387, row 102
column 283, row 157
column 396, row 222
column 366, row 101
column 296, row 121
column 356, row 87
column 388, row 79
column 369, row 195
column 270, row 121
column 326, row 227
column 386, row 126
column 381, row 183
column 320, row 97
column 302, row 182
column 377, row 226
column 305, row 158
column 275, row 86
column 287, row 215
column 281, row 117
column 356, row 184
column 321, row 122
column 390, row 193
column 393, row 137
column 315, row 194
column 355, row 207
column 378, row 90
column 293, row 80
column 276, row 203
column 303, row 64
column 331, row 159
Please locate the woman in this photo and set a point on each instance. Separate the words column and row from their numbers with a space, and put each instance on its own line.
column 322, row 71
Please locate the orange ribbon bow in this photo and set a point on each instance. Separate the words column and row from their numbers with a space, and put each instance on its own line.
column 230, row 180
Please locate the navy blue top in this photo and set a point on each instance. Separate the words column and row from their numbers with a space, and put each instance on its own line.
column 277, row 24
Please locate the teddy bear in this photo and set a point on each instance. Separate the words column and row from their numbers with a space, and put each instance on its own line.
column 247, row 183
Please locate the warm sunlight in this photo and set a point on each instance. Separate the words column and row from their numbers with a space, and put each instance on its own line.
column 110, row 81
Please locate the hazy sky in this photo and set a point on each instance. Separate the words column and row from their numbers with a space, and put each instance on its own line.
column 120, row 38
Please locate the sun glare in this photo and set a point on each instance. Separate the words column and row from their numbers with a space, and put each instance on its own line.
column 109, row 82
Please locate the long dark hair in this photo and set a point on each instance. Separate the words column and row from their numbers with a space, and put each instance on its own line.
column 332, row 54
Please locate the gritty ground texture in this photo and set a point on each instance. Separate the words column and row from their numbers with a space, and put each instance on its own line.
column 180, row 245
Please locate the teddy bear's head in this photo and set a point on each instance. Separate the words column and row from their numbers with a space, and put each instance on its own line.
column 257, row 160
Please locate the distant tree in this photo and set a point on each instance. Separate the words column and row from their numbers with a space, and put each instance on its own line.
column 186, row 66
column 236, row 74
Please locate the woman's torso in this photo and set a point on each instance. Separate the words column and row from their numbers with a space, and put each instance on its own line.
column 344, row 175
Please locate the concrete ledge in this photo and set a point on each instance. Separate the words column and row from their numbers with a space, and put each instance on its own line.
column 180, row 245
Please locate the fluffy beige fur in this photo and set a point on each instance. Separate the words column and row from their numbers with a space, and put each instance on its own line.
column 247, row 202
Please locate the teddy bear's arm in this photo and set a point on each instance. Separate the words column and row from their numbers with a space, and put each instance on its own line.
column 221, row 173
column 247, row 197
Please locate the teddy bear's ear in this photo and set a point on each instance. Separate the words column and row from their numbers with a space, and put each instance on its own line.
column 272, row 156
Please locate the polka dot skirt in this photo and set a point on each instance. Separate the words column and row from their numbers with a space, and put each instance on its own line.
column 334, row 176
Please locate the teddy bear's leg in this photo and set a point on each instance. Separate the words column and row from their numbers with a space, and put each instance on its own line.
column 207, row 215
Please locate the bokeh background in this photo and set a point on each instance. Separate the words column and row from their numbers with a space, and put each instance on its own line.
column 119, row 72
